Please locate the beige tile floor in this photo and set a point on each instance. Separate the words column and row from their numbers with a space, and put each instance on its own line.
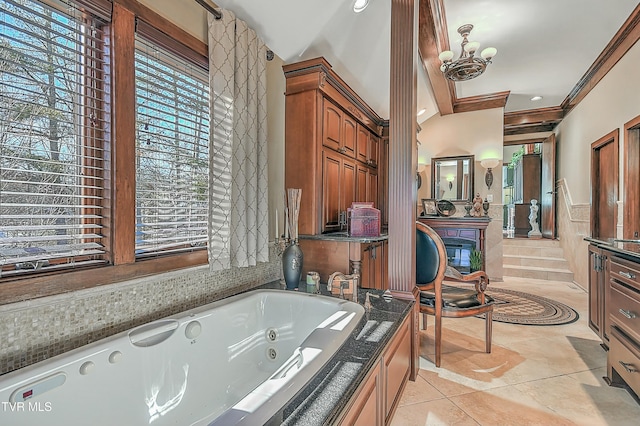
column 549, row 375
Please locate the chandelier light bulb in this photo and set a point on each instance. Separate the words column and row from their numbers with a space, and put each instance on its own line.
column 488, row 53
column 471, row 47
column 360, row 5
column 467, row 66
column 446, row 56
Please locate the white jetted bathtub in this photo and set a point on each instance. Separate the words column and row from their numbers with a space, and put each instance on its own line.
column 235, row 361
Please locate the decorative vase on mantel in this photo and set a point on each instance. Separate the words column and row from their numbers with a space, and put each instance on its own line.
column 292, row 258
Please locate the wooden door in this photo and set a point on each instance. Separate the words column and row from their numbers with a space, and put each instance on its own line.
column 631, row 216
column 548, row 188
column 362, row 144
column 604, row 186
column 332, row 128
column 349, row 136
column 331, row 184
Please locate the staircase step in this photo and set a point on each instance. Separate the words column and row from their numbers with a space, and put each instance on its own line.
column 541, row 262
column 553, row 252
column 528, row 242
column 540, row 273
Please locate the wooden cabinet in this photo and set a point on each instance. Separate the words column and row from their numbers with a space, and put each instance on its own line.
column 366, row 409
column 377, row 398
column 327, row 256
column 623, row 309
column 383, row 181
column 397, row 368
column 366, row 184
column 526, row 186
column 367, row 147
column 598, row 292
column 339, row 179
column 373, row 270
column 526, row 179
column 339, row 130
column 328, row 131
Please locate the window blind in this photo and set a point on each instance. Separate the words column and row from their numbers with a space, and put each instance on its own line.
column 52, row 122
column 172, row 151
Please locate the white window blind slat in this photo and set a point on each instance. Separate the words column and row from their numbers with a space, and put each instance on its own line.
column 52, row 127
column 172, row 166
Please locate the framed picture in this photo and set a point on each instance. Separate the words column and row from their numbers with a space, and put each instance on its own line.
column 429, row 207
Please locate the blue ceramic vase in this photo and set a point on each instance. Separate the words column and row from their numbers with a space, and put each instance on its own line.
column 292, row 265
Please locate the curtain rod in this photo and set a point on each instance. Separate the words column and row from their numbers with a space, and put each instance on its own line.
column 218, row 15
column 209, row 8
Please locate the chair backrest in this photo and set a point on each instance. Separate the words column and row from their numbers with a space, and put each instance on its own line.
column 431, row 256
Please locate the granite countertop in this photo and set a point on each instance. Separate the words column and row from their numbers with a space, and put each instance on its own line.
column 344, row 236
column 627, row 248
column 324, row 398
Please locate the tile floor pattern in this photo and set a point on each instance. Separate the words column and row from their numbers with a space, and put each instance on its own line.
column 535, row 375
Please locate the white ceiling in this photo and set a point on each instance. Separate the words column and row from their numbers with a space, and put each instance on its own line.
column 544, row 46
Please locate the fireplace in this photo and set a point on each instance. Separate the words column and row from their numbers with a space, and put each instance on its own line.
column 460, row 235
column 458, row 252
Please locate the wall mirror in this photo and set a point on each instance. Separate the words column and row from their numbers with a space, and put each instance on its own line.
column 452, row 178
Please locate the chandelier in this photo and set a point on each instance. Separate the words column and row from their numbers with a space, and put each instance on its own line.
column 467, row 66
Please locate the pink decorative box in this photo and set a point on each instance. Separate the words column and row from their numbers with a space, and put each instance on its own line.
column 363, row 220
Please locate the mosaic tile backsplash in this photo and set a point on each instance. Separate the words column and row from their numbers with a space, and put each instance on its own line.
column 38, row 329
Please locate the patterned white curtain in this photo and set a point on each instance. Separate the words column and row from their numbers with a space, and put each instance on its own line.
column 238, row 199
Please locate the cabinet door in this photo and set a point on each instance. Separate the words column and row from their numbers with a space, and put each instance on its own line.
column 362, row 144
column 372, row 187
column 348, row 184
column 383, row 183
column 598, row 292
column 331, row 185
column 594, row 291
column 368, row 407
column 374, row 146
column 366, row 279
column 332, row 128
column 362, row 177
column 348, row 145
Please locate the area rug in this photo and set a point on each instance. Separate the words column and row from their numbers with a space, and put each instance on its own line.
column 517, row 307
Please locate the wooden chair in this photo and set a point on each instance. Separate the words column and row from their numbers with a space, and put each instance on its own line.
column 441, row 300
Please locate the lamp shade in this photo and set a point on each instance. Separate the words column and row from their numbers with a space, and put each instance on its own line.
column 488, row 53
column 445, row 56
column 490, row 163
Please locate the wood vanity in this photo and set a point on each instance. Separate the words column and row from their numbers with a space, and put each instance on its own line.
column 614, row 307
column 336, row 152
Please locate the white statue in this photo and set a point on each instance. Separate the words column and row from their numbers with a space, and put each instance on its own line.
column 533, row 220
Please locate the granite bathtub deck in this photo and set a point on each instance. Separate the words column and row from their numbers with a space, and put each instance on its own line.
column 327, row 394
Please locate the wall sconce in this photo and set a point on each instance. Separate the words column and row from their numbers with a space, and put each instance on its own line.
column 489, row 163
column 450, row 179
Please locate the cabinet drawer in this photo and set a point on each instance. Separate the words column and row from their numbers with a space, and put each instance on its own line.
column 624, row 357
column 624, row 307
column 625, row 271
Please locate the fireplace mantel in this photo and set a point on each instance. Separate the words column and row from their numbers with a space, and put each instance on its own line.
column 456, row 231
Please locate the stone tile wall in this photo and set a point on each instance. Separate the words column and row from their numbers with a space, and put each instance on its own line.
column 573, row 225
column 38, row 329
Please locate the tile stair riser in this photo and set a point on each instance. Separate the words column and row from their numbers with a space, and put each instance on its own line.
column 522, row 272
column 553, row 263
column 534, row 251
column 543, row 242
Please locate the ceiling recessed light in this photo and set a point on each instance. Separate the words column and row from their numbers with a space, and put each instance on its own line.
column 536, row 98
column 422, row 111
column 360, row 5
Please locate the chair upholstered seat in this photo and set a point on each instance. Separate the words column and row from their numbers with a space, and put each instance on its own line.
column 454, row 297
column 441, row 300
